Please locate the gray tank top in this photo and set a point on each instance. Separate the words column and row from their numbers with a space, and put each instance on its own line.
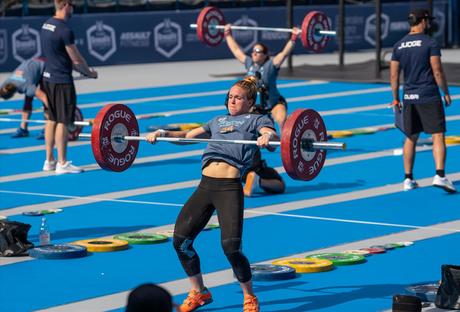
column 241, row 127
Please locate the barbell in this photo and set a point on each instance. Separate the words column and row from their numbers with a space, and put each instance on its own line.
column 115, row 141
column 76, row 127
column 73, row 130
column 315, row 30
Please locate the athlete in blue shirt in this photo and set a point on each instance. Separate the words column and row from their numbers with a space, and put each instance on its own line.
column 418, row 56
column 260, row 64
column 220, row 190
column 62, row 56
column 25, row 79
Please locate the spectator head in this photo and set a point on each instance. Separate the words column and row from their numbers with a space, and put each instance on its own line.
column 416, row 16
column 7, row 91
column 64, row 6
column 149, row 297
column 259, row 53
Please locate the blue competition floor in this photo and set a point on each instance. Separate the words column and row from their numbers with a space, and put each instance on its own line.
column 357, row 199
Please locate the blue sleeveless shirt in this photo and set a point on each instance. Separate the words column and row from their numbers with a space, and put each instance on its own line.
column 269, row 74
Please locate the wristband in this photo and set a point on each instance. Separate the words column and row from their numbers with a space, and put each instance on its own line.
column 162, row 132
column 227, row 33
column 294, row 37
column 395, row 103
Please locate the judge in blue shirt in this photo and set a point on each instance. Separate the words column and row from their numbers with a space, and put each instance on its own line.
column 418, row 56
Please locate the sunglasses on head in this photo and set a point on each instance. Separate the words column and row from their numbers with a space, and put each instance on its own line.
column 257, row 50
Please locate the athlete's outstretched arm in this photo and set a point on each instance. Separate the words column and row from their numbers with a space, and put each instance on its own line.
column 233, row 45
column 290, row 45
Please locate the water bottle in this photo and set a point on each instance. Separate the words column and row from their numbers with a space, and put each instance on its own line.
column 44, row 235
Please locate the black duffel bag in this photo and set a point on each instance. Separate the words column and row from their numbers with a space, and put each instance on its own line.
column 448, row 295
column 13, row 238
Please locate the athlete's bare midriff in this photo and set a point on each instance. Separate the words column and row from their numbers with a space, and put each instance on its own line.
column 221, row 169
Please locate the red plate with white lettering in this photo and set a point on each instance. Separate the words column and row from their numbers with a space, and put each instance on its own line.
column 111, row 121
column 302, row 164
column 73, row 130
column 208, row 17
column 313, row 22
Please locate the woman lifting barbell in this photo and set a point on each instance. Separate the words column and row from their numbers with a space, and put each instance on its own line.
column 220, row 189
column 260, row 65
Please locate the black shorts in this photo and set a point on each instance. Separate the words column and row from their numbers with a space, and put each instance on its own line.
column 260, row 167
column 265, row 110
column 27, row 107
column 62, row 100
column 282, row 101
column 429, row 118
column 28, row 100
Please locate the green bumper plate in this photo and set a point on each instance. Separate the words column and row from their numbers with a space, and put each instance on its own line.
column 211, row 226
column 142, row 238
column 340, row 258
column 364, row 131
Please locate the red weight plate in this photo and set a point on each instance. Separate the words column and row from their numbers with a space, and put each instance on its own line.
column 313, row 22
column 375, row 250
column 73, row 130
column 299, row 163
column 207, row 17
column 114, row 120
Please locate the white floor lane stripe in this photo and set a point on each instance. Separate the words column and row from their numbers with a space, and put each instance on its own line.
column 258, row 212
column 138, row 100
column 408, row 226
column 95, row 166
column 278, row 208
column 92, row 198
column 139, row 160
column 213, row 107
column 173, row 186
column 224, row 277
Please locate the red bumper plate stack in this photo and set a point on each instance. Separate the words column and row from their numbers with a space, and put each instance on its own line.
column 210, row 16
column 112, row 121
column 311, row 25
column 301, row 164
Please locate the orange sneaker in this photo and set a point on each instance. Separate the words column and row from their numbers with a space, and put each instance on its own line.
column 252, row 183
column 196, row 299
column 251, row 304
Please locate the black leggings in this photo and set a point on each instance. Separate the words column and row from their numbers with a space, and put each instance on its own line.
column 226, row 197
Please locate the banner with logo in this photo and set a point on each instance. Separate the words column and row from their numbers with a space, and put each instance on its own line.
column 146, row 37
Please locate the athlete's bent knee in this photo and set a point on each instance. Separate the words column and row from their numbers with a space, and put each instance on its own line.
column 239, row 262
column 183, row 247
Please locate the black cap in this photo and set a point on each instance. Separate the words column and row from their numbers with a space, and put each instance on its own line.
column 421, row 14
column 149, row 297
